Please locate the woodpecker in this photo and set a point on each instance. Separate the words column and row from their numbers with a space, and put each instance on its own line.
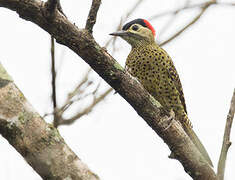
column 154, row 69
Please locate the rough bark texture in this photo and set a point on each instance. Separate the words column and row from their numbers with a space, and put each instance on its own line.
column 83, row 44
column 38, row 142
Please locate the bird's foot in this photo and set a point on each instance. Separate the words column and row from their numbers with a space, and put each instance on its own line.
column 168, row 121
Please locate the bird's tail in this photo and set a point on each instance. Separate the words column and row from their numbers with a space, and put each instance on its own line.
column 197, row 143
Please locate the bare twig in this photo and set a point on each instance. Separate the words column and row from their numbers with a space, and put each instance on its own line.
column 80, row 92
column 195, row 19
column 53, row 74
column 225, row 3
column 122, row 20
column 74, row 92
column 176, row 11
column 132, row 10
column 56, row 118
column 226, row 141
column 91, row 19
column 87, row 110
column 171, row 20
column 168, row 24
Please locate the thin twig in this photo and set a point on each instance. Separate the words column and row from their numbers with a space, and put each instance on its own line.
column 91, row 19
column 226, row 141
column 53, row 83
column 225, row 3
column 74, row 92
column 171, row 20
column 130, row 12
column 53, row 73
column 199, row 5
column 86, row 110
column 195, row 19
column 72, row 101
column 122, row 20
column 168, row 24
column 176, row 11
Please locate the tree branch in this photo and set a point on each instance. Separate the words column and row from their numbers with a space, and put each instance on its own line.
column 78, row 91
column 195, row 19
column 91, row 19
column 53, row 84
column 203, row 6
column 83, row 44
column 176, row 11
column 226, row 141
column 38, row 142
column 53, row 73
column 86, row 110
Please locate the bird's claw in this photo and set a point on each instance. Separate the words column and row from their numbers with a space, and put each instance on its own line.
column 169, row 119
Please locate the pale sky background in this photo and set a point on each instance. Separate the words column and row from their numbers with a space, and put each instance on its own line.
column 113, row 140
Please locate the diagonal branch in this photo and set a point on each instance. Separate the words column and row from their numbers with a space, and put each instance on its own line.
column 172, row 19
column 226, row 141
column 39, row 143
column 176, row 11
column 195, row 19
column 203, row 6
column 84, row 45
column 91, row 19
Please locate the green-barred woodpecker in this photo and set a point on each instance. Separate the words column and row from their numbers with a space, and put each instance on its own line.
column 155, row 70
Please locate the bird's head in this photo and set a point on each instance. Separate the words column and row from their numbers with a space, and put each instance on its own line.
column 137, row 32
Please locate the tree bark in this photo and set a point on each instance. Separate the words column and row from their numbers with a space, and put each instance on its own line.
column 37, row 141
column 84, row 45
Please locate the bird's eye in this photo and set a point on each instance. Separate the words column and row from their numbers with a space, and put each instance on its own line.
column 135, row 27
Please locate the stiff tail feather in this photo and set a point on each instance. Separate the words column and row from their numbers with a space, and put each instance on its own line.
column 197, row 143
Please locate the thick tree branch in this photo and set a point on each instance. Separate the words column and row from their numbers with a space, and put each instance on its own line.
column 91, row 19
column 226, row 141
column 38, row 142
column 83, row 44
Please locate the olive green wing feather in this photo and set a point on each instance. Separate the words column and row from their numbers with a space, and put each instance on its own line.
column 175, row 78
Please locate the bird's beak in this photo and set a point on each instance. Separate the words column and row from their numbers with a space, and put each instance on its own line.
column 120, row 33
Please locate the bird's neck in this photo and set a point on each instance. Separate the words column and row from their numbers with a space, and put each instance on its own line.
column 144, row 44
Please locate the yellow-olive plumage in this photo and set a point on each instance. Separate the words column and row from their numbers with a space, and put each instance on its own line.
column 153, row 67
